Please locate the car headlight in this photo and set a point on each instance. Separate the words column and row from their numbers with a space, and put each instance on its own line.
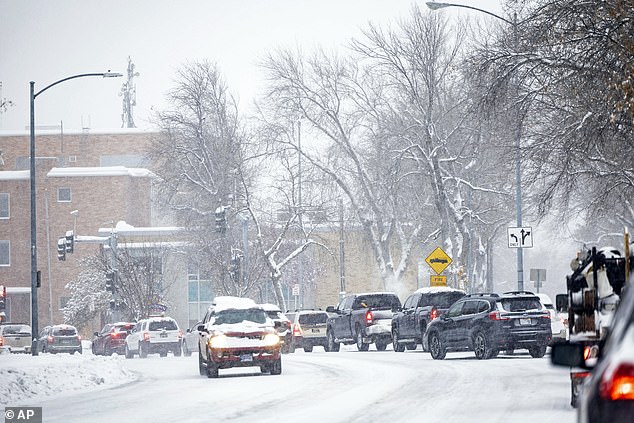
column 218, row 341
column 271, row 339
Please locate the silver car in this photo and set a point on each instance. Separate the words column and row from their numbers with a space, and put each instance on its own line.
column 16, row 337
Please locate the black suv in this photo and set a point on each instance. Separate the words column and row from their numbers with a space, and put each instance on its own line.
column 489, row 323
column 420, row 308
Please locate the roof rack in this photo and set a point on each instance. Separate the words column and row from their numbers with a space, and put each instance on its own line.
column 483, row 294
column 519, row 293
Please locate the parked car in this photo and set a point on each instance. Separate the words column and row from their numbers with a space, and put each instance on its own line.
column 237, row 333
column 362, row 319
column 283, row 325
column 111, row 338
column 190, row 340
column 608, row 393
column 558, row 323
column 489, row 323
column 421, row 307
column 157, row 334
column 59, row 339
column 16, row 337
column 309, row 329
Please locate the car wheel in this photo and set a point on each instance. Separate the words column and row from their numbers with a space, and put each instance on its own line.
column 537, row 351
column 94, row 351
column 276, row 367
column 186, row 351
column 380, row 344
column 178, row 350
column 142, row 351
column 361, row 346
column 202, row 369
column 333, row 346
column 436, row 348
column 127, row 352
column 308, row 348
column 481, row 347
column 212, row 369
column 397, row 347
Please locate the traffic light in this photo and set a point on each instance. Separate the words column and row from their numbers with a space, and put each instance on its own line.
column 3, row 297
column 61, row 249
column 70, row 241
column 221, row 220
column 111, row 280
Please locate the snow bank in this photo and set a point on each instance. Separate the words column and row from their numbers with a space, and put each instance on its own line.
column 24, row 378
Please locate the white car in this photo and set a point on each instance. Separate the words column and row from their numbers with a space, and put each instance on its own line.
column 558, row 323
column 190, row 341
column 157, row 334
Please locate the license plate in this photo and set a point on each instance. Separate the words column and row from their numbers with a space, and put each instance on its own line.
column 246, row 357
column 316, row 331
column 163, row 335
column 525, row 322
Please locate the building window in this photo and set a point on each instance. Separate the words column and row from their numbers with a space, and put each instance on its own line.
column 4, row 205
column 5, row 253
column 63, row 195
column 63, row 302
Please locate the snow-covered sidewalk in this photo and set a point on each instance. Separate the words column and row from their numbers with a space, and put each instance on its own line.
column 25, row 379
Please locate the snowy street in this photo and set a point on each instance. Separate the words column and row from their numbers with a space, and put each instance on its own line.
column 347, row 386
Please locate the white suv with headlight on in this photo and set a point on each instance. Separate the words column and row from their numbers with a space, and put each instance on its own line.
column 236, row 332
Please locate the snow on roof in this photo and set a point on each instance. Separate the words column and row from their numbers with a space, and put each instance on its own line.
column 544, row 298
column 270, row 307
column 14, row 175
column 61, row 172
column 435, row 289
column 227, row 302
column 123, row 228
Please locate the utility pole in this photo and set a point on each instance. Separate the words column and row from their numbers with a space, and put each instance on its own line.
column 128, row 92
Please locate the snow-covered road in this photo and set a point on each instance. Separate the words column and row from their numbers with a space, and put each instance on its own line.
column 348, row 386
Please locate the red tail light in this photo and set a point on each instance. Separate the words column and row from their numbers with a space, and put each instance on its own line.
column 434, row 313
column 180, row 334
column 617, row 382
column 496, row 315
column 368, row 317
column 79, row 337
column 297, row 330
column 1, row 341
column 115, row 334
column 146, row 336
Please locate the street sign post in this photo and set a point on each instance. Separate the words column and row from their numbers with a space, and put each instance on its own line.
column 438, row 260
column 520, row 237
column 538, row 277
column 437, row 280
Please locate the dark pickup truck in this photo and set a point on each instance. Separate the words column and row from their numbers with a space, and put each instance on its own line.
column 419, row 309
column 362, row 319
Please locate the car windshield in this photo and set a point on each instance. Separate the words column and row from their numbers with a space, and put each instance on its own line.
column 240, row 315
column 313, row 318
column 520, row 304
column 16, row 329
column 377, row 301
column 276, row 315
column 123, row 328
column 64, row 331
column 441, row 300
column 163, row 325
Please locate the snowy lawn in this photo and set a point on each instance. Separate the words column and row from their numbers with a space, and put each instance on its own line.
column 25, row 379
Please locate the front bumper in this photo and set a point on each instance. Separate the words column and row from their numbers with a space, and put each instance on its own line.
column 225, row 358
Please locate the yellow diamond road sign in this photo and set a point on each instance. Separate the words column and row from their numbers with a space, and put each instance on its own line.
column 438, row 260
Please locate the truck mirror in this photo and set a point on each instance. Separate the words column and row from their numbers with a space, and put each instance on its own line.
column 330, row 309
column 561, row 302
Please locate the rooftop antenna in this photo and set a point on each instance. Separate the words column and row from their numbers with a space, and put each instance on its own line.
column 128, row 92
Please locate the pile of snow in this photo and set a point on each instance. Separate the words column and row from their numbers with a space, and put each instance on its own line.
column 24, row 378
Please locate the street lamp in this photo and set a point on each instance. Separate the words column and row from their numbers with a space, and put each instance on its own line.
column 518, row 154
column 32, row 97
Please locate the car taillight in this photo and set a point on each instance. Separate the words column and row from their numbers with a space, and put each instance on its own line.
column 146, row 336
column 114, row 335
column 496, row 315
column 50, row 339
column 617, row 382
column 434, row 313
column 180, row 334
column 368, row 317
column 297, row 329
column 1, row 341
column 79, row 337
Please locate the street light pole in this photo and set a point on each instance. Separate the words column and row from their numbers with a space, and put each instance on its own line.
column 32, row 96
column 518, row 134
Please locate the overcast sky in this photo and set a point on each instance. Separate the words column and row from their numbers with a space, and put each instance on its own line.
column 47, row 40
